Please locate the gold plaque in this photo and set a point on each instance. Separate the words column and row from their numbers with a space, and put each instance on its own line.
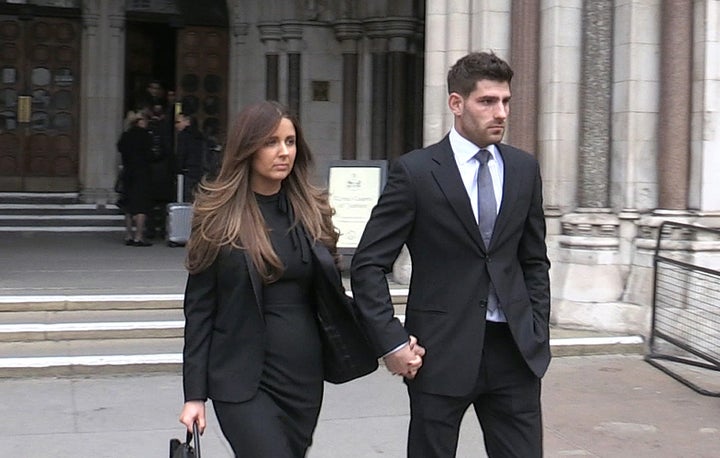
column 24, row 108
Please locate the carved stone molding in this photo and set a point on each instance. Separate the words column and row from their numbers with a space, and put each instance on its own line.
column 270, row 35
column 391, row 27
column 240, row 30
column 590, row 229
column 292, row 30
column 348, row 29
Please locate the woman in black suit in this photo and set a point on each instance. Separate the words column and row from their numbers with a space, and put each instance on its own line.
column 262, row 238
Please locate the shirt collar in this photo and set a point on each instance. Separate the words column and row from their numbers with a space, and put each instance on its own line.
column 465, row 150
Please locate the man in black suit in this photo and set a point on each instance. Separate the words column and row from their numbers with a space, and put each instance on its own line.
column 479, row 300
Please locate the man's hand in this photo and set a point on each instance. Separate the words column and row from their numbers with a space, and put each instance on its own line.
column 417, row 349
column 407, row 360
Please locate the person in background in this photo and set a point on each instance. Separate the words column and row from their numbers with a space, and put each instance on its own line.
column 469, row 209
column 135, row 147
column 162, row 170
column 262, row 238
column 190, row 150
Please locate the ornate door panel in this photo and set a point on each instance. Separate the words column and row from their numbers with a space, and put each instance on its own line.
column 39, row 103
column 202, row 72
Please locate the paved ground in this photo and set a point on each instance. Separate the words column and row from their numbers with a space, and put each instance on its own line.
column 602, row 406
column 48, row 263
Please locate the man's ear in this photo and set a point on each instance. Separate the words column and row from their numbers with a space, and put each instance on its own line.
column 456, row 103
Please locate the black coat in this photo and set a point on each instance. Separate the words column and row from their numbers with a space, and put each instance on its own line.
column 135, row 146
column 224, row 348
column 425, row 205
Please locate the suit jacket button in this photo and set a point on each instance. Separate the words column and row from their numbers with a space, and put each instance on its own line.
column 483, row 304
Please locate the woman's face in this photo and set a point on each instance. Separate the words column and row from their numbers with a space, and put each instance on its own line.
column 274, row 161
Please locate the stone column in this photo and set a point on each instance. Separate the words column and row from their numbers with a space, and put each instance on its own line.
column 635, row 106
column 238, row 50
column 348, row 32
column 633, row 171
column 490, row 25
column 675, row 97
column 103, row 70
column 440, row 45
column 524, row 51
column 270, row 35
column 560, row 38
column 595, row 100
column 399, row 32
column 292, row 34
column 417, row 82
column 704, row 182
column 379, row 104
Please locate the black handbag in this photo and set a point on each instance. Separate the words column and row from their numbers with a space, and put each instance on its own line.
column 347, row 353
column 186, row 449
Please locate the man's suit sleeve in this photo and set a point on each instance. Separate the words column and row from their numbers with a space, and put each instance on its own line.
column 532, row 254
column 385, row 234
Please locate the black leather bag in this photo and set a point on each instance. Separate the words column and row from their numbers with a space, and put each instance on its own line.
column 186, row 449
column 347, row 353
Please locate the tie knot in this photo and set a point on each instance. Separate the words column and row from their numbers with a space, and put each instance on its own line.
column 482, row 156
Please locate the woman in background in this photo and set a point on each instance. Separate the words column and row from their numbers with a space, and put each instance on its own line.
column 135, row 146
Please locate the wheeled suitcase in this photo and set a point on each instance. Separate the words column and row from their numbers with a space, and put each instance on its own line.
column 179, row 218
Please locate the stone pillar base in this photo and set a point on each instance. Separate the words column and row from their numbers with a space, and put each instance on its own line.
column 620, row 317
column 101, row 196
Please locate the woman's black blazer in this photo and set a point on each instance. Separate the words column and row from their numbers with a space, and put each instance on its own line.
column 224, row 347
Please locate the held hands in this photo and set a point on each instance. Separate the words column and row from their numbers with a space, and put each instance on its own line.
column 193, row 411
column 407, row 360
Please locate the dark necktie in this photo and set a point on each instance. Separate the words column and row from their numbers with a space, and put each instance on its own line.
column 487, row 205
column 487, row 212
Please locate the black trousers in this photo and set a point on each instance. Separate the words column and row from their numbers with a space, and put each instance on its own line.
column 506, row 400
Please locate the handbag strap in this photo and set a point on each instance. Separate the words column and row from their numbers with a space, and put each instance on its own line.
column 196, row 435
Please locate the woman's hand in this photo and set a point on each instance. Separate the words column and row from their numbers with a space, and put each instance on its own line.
column 193, row 411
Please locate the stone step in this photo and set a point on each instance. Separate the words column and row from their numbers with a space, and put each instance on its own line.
column 92, row 302
column 95, row 334
column 39, row 197
column 37, row 221
column 7, row 210
column 56, row 212
column 79, row 325
column 76, row 357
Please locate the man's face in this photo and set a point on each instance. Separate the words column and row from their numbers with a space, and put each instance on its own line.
column 482, row 115
column 154, row 89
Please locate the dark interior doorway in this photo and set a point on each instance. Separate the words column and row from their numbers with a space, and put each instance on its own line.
column 149, row 57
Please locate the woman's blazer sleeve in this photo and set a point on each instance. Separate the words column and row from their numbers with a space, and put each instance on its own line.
column 199, row 307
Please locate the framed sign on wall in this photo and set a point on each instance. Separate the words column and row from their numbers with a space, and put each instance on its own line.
column 354, row 188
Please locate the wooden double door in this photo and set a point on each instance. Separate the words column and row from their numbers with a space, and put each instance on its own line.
column 39, row 103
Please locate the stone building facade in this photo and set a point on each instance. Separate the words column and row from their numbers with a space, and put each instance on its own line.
column 618, row 99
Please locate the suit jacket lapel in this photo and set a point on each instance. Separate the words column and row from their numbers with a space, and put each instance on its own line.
column 448, row 178
column 256, row 282
column 510, row 189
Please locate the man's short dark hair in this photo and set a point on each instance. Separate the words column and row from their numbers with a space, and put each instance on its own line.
column 474, row 67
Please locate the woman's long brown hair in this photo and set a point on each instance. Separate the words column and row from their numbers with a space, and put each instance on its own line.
column 225, row 212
